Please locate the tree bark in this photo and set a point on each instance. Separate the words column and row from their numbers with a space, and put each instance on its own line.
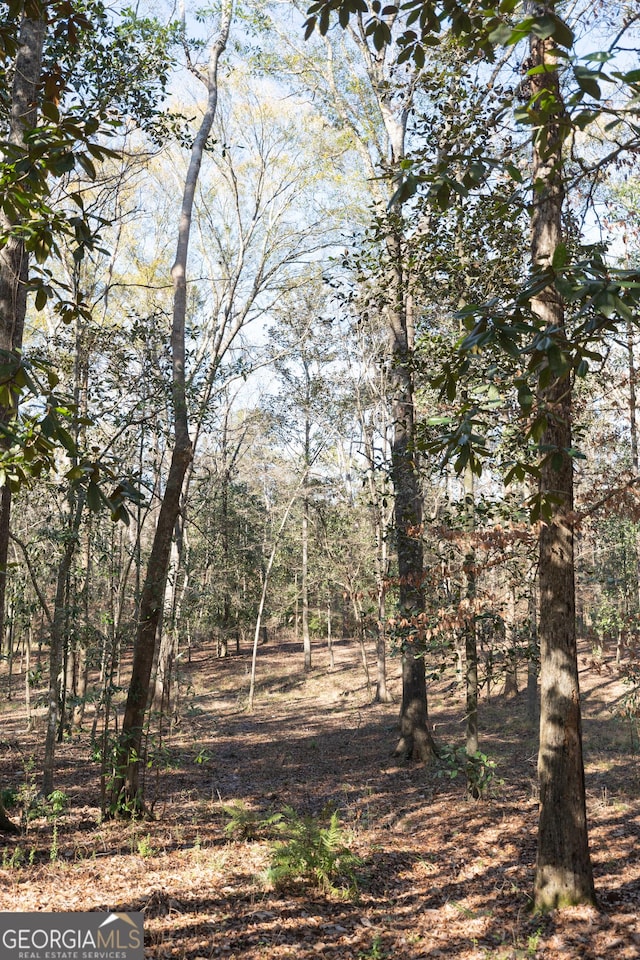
column 306, row 636
column 14, row 259
column 563, row 868
column 633, row 434
column 510, row 688
column 263, row 595
column 470, row 637
column 57, row 646
column 379, row 525
column 6, row 825
column 416, row 742
column 332, row 661
column 127, row 792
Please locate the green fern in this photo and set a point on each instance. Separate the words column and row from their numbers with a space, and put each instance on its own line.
column 244, row 823
column 311, row 853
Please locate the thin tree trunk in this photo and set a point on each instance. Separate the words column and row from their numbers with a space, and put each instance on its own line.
column 357, row 611
column 27, row 674
column 263, row 597
column 332, row 661
column 510, row 688
column 633, row 431
column 306, row 636
column 127, row 787
column 563, row 869
column 382, row 691
column 57, row 648
column 81, row 658
column 166, row 639
column 9, row 638
column 14, row 258
column 382, row 568
column 470, row 638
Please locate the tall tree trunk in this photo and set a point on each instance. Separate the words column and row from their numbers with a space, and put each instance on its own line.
column 563, row 869
column 415, row 741
column 263, row 595
column 127, row 788
column 380, row 526
column 382, row 691
column 332, row 661
column 14, row 259
column 166, row 635
column 470, row 638
column 306, row 636
column 58, row 637
column 633, row 433
column 510, row 688
column 360, row 634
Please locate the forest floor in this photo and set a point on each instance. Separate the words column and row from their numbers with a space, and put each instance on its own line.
column 440, row 876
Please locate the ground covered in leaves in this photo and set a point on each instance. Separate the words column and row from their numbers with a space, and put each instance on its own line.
column 439, row 876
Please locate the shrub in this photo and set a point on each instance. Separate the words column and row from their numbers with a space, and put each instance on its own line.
column 309, row 852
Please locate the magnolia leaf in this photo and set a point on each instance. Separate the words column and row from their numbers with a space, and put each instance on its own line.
column 549, row 25
column 94, row 496
column 560, row 256
column 587, row 82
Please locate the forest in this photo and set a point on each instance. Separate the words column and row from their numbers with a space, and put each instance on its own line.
column 319, row 475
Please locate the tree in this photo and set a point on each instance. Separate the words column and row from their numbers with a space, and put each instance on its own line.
column 14, row 255
column 376, row 118
column 370, row 391
column 52, row 132
column 564, row 875
column 126, row 787
column 14, row 259
column 305, row 408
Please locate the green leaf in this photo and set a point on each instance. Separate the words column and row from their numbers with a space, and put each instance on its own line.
column 587, row 82
column 600, row 56
column 406, row 189
column 549, row 25
column 525, row 397
column 629, row 76
column 514, row 172
column 66, row 440
column 48, row 426
column 560, row 256
column 94, row 497
column 583, row 119
column 75, row 473
column 501, row 36
column 516, row 473
column 87, row 164
column 557, row 359
column 41, row 298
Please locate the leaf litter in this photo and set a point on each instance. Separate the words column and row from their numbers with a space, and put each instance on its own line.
column 441, row 876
